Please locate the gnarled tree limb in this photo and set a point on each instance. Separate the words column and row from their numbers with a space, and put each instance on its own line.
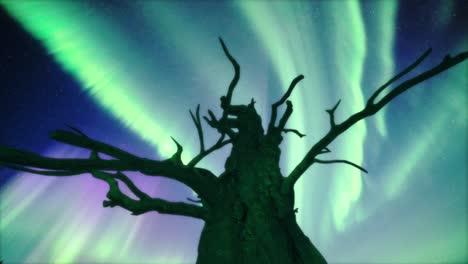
column 200, row 180
column 274, row 107
column 371, row 108
column 235, row 79
column 220, row 125
column 146, row 203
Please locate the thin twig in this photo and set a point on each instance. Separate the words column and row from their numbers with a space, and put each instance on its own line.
column 331, row 113
column 341, row 161
column 295, row 131
column 196, row 120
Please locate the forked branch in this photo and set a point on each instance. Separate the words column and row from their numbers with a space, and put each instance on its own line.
column 198, row 125
column 205, row 152
column 274, row 107
column 200, row 180
column 331, row 113
column 398, row 76
column 219, row 144
column 220, row 125
column 145, row 203
column 224, row 124
column 371, row 108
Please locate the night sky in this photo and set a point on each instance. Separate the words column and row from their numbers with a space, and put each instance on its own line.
column 127, row 73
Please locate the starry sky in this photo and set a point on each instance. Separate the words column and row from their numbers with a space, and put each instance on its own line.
column 127, row 73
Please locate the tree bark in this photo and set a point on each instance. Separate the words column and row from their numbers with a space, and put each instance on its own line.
column 253, row 222
column 258, row 236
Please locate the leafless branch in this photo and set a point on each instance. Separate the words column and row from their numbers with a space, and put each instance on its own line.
column 341, row 161
column 399, row 75
column 177, row 157
column 274, row 107
column 193, row 200
column 325, row 150
column 200, row 180
column 295, row 131
column 235, row 79
column 198, row 125
column 371, row 108
column 145, row 204
column 219, row 144
column 133, row 188
column 284, row 119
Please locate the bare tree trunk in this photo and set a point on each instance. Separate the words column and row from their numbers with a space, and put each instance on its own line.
column 254, row 222
column 258, row 237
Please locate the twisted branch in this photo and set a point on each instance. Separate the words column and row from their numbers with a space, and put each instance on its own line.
column 371, row 108
column 235, row 79
column 274, row 107
column 146, row 203
column 200, row 180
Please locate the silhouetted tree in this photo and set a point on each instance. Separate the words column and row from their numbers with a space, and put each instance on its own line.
column 249, row 209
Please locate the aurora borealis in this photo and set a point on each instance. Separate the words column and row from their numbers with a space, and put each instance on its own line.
column 133, row 69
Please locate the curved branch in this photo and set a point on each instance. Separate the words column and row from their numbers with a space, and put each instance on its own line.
column 370, row 109
column 197, row 121
column 236, row 77
column 284, row 119
column 177, row 157
column 331, row 113
column 274, row 107
column 133, row 188
column 295, row 131
column 14, row 157
column 219, row 144
column 446, row 63
column 201, row 181
column 145, row 204
column 341, row 161
column 399, row 75
column 42, row 172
